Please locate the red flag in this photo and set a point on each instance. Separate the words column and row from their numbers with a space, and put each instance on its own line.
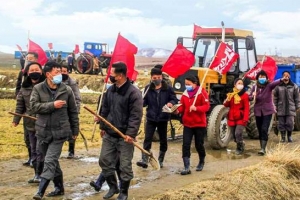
column 76, row 50
column 88, row 52
column 33, row 47
column 224, row 59
column 196, row 29
column 134, row 75
column 50, row 45
column 124, row 52
column 180, row 61
column 18, row 46
column 268, row 65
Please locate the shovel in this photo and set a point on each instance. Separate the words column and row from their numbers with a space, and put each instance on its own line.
column 153, row 162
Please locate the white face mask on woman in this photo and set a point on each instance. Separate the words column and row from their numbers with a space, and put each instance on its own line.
column 239, row 87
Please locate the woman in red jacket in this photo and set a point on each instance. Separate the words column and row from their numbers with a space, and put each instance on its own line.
column 238, row 115
column 194, row 121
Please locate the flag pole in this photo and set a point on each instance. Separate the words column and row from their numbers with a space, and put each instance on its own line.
column 261, row 64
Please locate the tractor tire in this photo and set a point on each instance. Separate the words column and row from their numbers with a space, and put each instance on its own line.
column 251, row 128
column 297, row 121
column 218, row 133
column 90, row 66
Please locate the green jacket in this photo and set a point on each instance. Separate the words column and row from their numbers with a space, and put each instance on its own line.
column 54, row 124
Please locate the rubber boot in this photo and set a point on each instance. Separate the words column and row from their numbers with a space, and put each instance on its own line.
column 282, row 136
column 263, row 144
column 42, row 188
column 36, row 178
column 98, row 184
column 124, row 190
column 186, row 170
column 58, row 187
column 200, row 164
column 27, row 163
column 71, row 149
column 161, row 158
column 240, row 147
column 113, row 187
column 144, row 161
column 289, row 134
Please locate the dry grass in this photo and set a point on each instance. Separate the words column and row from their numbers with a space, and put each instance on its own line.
column 277, row 177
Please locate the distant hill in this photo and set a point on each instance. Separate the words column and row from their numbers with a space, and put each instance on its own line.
column 154, row 53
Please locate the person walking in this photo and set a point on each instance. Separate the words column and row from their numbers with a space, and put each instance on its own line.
column 194, row 121
column 287, row 102
column 238, row 115
column 33, row 75
column 122, row 106
column 57, row 117
column 157, row 94
column 263, row 106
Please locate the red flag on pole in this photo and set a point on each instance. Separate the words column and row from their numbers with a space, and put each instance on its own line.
column 88, row 52
column 33, row 47
column 134, row 75
column 19, row 48
column 196, row 29
column 268, row 65
column 224, row 59
column 50, row 45
column 124, row 52
column 180, row 61
column 76, row 50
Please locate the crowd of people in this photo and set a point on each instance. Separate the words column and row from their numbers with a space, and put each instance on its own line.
column 47, row 94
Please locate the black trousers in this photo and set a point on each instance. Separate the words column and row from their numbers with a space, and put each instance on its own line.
column 263, row 124
column 36, row 155
column 162, row 132
column 188, row 134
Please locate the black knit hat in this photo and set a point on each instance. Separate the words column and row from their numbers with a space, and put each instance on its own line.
column 237, row 79
column 261, row 73
column 155, row 71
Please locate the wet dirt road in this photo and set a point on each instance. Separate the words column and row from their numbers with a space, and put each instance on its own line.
column 147, row 182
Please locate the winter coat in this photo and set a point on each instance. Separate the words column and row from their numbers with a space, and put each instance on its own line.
column 264, row 103
column 123, row 108
column 74, row 86
column 195, row 118
column 156, row 99
column 286, row 99
column 55, row 124
column 238, row 113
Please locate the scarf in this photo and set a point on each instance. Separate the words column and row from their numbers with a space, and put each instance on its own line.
column 235, row 95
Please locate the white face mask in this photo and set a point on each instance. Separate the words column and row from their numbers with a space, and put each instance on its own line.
column 239, row 87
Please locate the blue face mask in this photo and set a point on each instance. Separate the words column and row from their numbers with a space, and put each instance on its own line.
column 57, row 79
column 262, row 80
column 189, row 88
column 108, row 85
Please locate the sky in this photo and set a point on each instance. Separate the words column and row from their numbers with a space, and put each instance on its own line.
column 146, row 23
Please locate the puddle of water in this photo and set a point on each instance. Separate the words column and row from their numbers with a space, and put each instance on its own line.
column 228, row 154
column 90, row 159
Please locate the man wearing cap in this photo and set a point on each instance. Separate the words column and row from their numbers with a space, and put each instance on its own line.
column 157, row 94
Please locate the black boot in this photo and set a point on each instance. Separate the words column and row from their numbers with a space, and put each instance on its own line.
column 58, row 187
column 27, row 163
column 200, row 164
column 113, row 186
column 161, row 158
column 144, row 161
column 71, row 149
column 186, row 170
column 42, row 188
column 98, row 184
column 263, row 144
column 240, row 146
column 282, row 136
column 124, row 190
column 36, row 178
column 289, row 134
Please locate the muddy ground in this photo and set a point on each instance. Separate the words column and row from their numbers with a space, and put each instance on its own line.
column 147, row 182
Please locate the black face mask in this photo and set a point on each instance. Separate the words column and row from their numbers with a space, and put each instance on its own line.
column 65, row 77
column 112, row 79
column 35, row 76
column 156, row 82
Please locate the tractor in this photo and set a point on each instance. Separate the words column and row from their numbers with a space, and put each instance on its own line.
column 93, row 49
column 204, row 46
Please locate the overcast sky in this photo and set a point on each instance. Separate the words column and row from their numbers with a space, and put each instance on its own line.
column 146, row 23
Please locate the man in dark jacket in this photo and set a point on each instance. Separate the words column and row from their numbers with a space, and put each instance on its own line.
column 54, row 104
column 122, row 106
column 157, row 94
column 74, row 86
column 287, row 102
